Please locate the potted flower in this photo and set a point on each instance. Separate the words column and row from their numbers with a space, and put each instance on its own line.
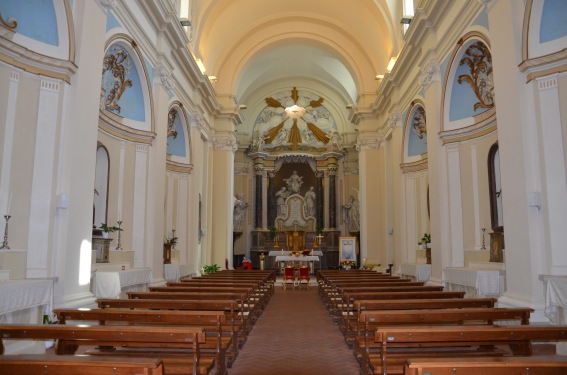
column 347, row 264
column 210, row 269
column 425, row 241
column 168, row 244
column 106, row 230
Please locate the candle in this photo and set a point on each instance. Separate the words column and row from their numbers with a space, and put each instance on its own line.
column 9, row 203
column 483, row 224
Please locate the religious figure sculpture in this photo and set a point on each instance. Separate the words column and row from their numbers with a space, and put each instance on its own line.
column 281, row 195
column 310, row 202
column 294, row 182
column 352, row 215
column 335, row 141
column 238, row 213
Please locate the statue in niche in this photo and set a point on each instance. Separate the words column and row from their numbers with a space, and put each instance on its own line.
column 335, row 141
column 260, row 142
column 352, row 215
column 310, row 202
column 238, row 213
column 419, row 124
column 294, row 182
column 281, row 196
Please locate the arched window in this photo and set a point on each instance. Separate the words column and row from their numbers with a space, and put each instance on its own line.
column 100, row 198
column 495, row 188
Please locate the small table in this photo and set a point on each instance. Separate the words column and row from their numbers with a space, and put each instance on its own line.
column 418, row 272
column 475, row 282
column 110, row 284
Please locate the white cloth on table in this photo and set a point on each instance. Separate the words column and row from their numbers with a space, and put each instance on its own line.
column 288, row 258
column 555, row 297
column 484, row 282
column 173, row 272
column 275, row 253
column 421, row 272
column 110, row 284
column 24, row 294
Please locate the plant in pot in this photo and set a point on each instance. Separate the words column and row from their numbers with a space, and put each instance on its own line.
column 210, row 269
column 273, row 236
column 425, row 241
column 106, row 230
column 168, row 244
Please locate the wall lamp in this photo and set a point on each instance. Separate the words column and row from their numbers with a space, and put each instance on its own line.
column 406, row 20
column 185, row 21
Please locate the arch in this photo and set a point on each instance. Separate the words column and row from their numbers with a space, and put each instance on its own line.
column 470, row 99
column 122, row 117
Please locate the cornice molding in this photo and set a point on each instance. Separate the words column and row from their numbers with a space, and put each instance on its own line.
column 110, row 124
column 108, row 4
column 225, row 144
column 367, row 142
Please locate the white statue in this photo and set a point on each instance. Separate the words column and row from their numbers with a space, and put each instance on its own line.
column 335, row 141
column 281, row 195
column 238, row 213
column 352, row 215
column 281, row 137
column 310, row 202
column 294, row 182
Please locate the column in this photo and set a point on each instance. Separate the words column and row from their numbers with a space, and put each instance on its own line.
column 455, row 205
column 476, row 205
column 411, row 218
column 320, row 199
column 139, row 204
column 258, row 170
column 8, row 141
column 42, row 180
column 272, row 209
column 332, row 168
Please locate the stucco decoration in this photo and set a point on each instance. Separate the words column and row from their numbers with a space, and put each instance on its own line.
column 115, row 70
column 479, row 60
column 298, row 121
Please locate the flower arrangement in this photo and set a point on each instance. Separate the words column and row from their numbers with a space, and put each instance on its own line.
column 170, row 241
column 347, row 263
column 210, row 269
column 425, row 239
column 107, row 229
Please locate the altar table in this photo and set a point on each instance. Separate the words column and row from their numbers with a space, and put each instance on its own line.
column 113, row 284
column 418, row 272
column 477, row 283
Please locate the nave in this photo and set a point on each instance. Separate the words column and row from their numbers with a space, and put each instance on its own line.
column 295, row 335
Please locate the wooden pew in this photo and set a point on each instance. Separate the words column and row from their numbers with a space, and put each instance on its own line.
column 400, row 343
column 187, row 340
column 541, row 365
column 220, row 333
column 244, row 313
column 26, row 364
column 350, row 322
column 370, row 320
column 229, row 307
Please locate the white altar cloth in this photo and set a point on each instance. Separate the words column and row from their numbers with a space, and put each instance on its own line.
column 24, row 294
column 476, row 282
column 173, row 272
column 555, row 297
column 288, row 258
column 420, row 272
column 275, row 253
column 111, row 284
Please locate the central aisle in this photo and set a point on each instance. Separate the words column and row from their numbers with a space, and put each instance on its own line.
column 295, row 335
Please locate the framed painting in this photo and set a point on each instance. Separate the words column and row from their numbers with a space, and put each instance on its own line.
column 347, row 248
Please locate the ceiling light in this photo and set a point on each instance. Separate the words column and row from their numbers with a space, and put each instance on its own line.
column 406, row 20
column 242, row 106
column 379, row 77
column 349, row 106
column 185, row 21
column 213, row 78
column 391, row 64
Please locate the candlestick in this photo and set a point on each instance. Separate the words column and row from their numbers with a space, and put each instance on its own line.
column 5, row 243
column 119, row 245
column 483, row 244
column 9, row 204
column 173, row 244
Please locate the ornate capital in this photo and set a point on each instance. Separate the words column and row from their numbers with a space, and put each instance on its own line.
column 241, row 171
column 225, row 144
column 332, row 169
column 428, row 73
column 258, row 169
column 108, row 4
column 395, row 120
column 142, row 148
column 271, row 174
column 320, row 174
column 197, row 121
column 166, row 79
column 367, row 143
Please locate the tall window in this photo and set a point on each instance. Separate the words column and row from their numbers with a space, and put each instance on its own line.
column 407, row 12
column 100, row 198
column 495, row 187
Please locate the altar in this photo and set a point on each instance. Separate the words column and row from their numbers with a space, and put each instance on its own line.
column 417, row 272
column 477, row 283
column 114, row 284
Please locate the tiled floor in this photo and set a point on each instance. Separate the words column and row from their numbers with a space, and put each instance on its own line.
column 295, row 336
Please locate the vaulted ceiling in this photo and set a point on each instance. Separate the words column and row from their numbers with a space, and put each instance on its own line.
column 332, row 48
